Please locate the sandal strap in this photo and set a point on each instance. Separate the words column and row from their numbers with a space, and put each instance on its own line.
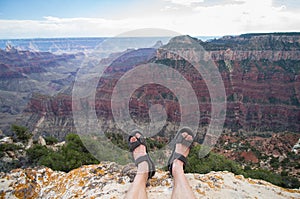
column 139, row 141
column 151, row 166
column 134, row 145
column 180, row 157
column 141, row 159
column 181, row 140
column 177, row 156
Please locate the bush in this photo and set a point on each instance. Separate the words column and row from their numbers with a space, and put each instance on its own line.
column 274, row 162
column 55, row 161
column 212, row 162
column 9, row 147
column 117, row 139
column 35, row 153
column 70, row 156
column 21, row 132
column 154, row 144
column 51, row 140
column 264, row 175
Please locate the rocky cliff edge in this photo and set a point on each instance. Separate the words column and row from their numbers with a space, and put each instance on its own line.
column 109, row 180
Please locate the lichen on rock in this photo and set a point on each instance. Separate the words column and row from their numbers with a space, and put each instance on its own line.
column 110, row 180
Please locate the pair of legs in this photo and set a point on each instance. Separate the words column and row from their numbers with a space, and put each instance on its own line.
column 181, row 188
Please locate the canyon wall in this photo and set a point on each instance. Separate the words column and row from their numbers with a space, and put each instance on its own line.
column 261, row 74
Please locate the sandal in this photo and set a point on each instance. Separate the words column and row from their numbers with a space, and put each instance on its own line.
column 133, row 145
column 180, row 140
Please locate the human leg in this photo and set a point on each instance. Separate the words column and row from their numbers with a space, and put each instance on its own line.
column 144, row 164
column 181, row 187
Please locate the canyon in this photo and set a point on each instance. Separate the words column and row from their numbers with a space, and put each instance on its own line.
column 261, row 75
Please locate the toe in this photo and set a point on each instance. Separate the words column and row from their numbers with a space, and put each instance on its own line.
column 189, row 137
column 184, row 134
column 133, row 139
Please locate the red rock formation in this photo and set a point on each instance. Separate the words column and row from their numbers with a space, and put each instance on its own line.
column 249, row 156
column 260, row 74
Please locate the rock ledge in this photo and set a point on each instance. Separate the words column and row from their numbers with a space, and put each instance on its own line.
column 109, row 180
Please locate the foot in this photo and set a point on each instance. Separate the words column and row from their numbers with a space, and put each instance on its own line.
column 143, row 161
column 183, row 139
column 177, row 167
column 139, row 152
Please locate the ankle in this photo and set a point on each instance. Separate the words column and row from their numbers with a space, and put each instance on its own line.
column 143, row 169
column 177, row 168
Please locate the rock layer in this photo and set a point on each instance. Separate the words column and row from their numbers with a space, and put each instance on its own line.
column 261, row 74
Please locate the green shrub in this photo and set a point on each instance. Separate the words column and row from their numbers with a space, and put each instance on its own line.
column 274, row 162
column 117, row 139
column 106, row 150
column 71, row 156
column 55, row 161
column 51, row 140
column 21, row 132
column 9, row 147
column 264, row 175
column 36, row 152
column 154, row 144
column 212, row 162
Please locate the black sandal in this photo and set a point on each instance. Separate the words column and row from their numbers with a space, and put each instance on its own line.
column 133, row 145
column 180, row 139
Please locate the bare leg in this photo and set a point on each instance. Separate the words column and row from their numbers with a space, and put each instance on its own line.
column 137, row 189
column 181, row 188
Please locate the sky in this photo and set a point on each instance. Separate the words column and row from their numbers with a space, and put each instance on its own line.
column 98, row 18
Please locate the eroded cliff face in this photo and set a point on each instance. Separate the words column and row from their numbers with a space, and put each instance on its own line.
column 49, row 116
column 109, row 180
column 261, row 74
column 261, row 78
column 23, row 73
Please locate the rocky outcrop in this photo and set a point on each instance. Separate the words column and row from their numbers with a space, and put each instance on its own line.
column 109, row 180
column 14, row 153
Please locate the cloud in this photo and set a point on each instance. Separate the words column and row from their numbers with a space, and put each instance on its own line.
column 205, row 3
column 251, row 16
column 197, row 20
column 61, row 27
column 77, row 27
column 169, row 8
column 185, row 2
